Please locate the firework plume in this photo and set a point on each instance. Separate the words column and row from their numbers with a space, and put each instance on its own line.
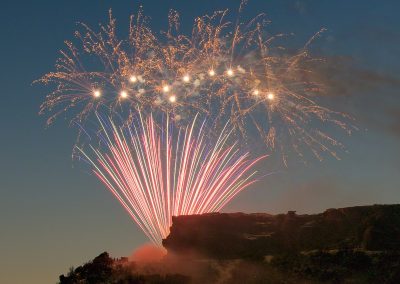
column 222, row 70
column 156, row 173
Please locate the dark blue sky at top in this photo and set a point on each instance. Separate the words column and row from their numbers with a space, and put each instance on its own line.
column 54, row 215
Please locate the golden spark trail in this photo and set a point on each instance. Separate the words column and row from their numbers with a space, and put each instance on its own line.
column 221, row 71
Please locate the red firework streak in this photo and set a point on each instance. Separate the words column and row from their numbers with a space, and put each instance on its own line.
column 156, row 173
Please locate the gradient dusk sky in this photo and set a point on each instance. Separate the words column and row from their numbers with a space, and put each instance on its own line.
column 54, row 215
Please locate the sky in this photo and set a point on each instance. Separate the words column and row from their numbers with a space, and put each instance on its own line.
column 54, row 215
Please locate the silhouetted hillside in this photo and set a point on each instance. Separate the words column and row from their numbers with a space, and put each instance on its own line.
column 348, row 245
column 104, row 269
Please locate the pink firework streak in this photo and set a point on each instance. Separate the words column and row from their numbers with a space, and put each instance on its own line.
column 155, row 174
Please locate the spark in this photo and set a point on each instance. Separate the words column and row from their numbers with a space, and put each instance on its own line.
column 172, row 98
column 123, row 94
column 229, row 72
column 186, row 78
column 133, row 79
column 165, row 89
column 211, row 73
column 96, row 93
column 159, row 173
column 271, row 96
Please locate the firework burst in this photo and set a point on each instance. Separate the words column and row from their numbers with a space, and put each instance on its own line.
column 223, row 71
column 156, row 173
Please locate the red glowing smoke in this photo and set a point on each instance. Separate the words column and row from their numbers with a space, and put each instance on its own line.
column 148, row 253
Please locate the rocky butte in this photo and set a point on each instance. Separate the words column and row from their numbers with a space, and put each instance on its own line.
column 239, row 235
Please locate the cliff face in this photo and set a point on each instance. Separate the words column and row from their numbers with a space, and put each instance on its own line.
column 239, row 235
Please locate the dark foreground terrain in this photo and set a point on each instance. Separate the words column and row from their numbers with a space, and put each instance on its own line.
column 348, row 245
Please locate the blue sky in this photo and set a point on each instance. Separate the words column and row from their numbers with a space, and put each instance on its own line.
column 54, row 215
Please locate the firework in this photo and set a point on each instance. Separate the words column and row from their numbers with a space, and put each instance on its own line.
column 156, row 173
column 223, row 71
